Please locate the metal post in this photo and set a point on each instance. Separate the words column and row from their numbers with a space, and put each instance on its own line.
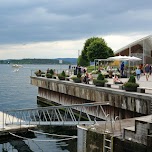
column 3, row 120
column 143, row 52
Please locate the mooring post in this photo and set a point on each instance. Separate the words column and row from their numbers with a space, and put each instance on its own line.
column 3, row 121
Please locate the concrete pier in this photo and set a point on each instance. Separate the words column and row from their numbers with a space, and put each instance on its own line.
column 129, row 132
column 120, row 102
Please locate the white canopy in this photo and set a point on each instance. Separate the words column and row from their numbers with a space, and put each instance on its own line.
column 124, row 58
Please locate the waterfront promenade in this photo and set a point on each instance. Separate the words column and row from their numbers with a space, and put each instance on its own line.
column 142, row 82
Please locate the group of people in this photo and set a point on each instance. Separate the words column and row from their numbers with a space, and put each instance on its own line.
column 147, row 71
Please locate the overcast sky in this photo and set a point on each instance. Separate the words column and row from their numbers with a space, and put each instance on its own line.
column 59, row 28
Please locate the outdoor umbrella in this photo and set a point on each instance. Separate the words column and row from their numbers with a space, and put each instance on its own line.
column 124, row 58
column 120, row 58
column 133, row 58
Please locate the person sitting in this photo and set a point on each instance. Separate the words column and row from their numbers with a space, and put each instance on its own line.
column 116, row 80
column 86, row 78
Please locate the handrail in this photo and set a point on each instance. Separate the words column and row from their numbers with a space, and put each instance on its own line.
column 55, row 114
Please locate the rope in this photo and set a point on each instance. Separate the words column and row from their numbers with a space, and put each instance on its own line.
column 42, row 140
column 51, row 134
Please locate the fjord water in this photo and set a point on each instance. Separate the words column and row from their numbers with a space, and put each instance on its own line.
column 16, row 92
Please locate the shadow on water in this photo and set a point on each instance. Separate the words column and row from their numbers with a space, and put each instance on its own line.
column 70, row 145
column 14, row 144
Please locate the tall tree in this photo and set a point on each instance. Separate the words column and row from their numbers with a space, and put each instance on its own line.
column 98, row 49
column 94, row 48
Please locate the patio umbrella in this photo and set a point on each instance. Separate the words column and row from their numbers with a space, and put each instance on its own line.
column 133, row 58
column 124, row 58
column 120, row 58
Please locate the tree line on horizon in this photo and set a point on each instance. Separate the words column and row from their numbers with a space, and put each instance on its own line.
column 33, row 61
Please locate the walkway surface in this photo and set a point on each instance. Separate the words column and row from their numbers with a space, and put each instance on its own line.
column 142, row 82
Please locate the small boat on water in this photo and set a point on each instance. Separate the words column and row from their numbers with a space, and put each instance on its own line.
column 16, row 66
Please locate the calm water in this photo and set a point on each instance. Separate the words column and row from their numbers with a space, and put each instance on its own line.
column 16, row 92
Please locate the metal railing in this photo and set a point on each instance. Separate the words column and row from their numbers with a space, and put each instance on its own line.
column 76, row 114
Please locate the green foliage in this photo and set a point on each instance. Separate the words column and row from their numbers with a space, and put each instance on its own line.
column 48, row 75
column 88, row 42
column 98, row 49
column 90, row 68
column 100, row 77
column 79, row 75
column 132, row 79
column 83, row 60
column 130, row 84
column 51, row 72
column 99, row 83
column 63, row 74
column 76, row 79
column 38, row 73
column 94, row 48
column 36, row 61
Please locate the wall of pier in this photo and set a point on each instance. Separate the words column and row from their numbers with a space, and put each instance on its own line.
column 115, row 101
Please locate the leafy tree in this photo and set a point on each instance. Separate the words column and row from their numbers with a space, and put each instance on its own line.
column 83, row 61
column 98, row 49
column 83, row 58
column 94, row 48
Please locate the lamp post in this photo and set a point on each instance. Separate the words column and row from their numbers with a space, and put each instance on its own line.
column 78, row 56
column 60, row 62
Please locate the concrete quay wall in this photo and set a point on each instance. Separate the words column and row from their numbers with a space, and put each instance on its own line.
column 67, row 92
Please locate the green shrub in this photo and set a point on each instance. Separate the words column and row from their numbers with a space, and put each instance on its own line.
column 99, row 83
column 79, row 75
column 39, row 73
column 76, row 79
column 61, row 77
column 100, row 77
column 132, row 79
column 48, row 75
column 63, row 74
column 51, row 72
column 130, row 84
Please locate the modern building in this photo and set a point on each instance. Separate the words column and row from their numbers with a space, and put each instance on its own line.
column 141, row 48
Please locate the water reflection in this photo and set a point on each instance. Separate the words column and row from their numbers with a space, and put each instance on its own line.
column 42, row 142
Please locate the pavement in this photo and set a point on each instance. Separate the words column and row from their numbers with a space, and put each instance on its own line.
column 142, row 82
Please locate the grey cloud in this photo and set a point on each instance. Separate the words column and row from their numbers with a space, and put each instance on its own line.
column 48, row 20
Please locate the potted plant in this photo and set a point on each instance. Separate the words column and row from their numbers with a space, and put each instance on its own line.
column 131, row 85
column 51, row 72
column 48, row 75
column 100, row 81
column 77, row 79
column 62, row 76
column 39, row 73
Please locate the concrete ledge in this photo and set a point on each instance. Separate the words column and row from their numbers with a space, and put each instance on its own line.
column 108, row 85
column 142, row 89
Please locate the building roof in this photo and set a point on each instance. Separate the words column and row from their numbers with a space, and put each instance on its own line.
column 147, row 42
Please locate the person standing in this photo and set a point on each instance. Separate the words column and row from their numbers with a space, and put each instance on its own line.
column 122, row 68
column 138, row 72
column 147, row 71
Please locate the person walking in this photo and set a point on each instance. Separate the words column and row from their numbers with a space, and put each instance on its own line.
column 138, row 72
column 147, row 71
